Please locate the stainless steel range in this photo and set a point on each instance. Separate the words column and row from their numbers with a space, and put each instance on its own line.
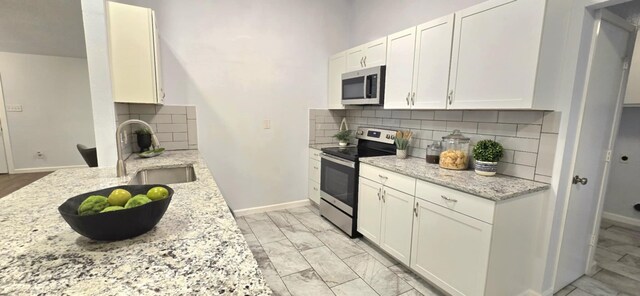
column 339, row 168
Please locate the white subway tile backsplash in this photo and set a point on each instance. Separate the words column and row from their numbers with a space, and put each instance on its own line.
column 178, row 118
column 383, row 113
column 464, row 127
column 156, row 118
column 121, row 108
column 164, row 137
column 172, row 127
column 543, row 179
column 529, row 131
column 448, row 115
column 423, row 134
column 434, row 125
column 428, row 115
column 546, row 154
column 525, row 117
column 374, row 121
column 176, row 145
column 180, row 137
column 171, row 109
column 368, row 113
column 354, row 113
column 507, row 155
column 480, row 116
column 551, row 122
column 525, row 158
column 192, row 133
column 401, row 114
column 516, row 170
column 391, row 122
column 142, row 109
column 519, row 144
column 409, row 123
column 498, row 129
column 191, row 112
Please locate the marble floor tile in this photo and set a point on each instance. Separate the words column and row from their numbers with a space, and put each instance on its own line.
column 301, row 237
column 339, row 243
column 605, row 224
column 621, row 235
column 258, row 252
column 306, row 283
column 616, row 246
column 314, row 209
column 621, row 283
column 266, row 231
column 630, row 260
column 621, row 268
column 415, row 281
column 282, row 218
column 379, row 277
column 256, row 217
column 328, row 266
column 285, row 257
column 565, row 291
column 313, row 222
column 594, row 287
column 411, row 293
column 606, row 255
column 355, row 287
column 578, row 292
column 242, row 224
column 299, row 210
column 367, row 246
column 273, row 280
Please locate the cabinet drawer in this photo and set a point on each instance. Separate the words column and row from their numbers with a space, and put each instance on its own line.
column 314, row 170
column 314, row 191
column 387, row 178
column 472, row 206
column 314, row 154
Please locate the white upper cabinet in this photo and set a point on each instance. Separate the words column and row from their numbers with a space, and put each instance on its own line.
column 399, row 71
column 134, row 54
column 367, row 55
column 337, row 66
column 496, row 51
column 418, row 66
column 431, row 65
column 632, row 96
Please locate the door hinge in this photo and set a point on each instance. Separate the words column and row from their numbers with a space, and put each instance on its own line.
column 625, row 66
column 594, row 241
column 607, row 158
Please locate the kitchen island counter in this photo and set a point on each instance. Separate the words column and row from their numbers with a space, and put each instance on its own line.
column 196, row 248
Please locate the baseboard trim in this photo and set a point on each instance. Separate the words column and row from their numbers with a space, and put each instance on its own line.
column 621, row 219
column 46, row 169
column 280, row 206
column 548, row 292
column 530, row 292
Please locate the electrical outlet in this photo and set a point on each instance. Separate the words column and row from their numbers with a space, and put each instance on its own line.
column 14, row 108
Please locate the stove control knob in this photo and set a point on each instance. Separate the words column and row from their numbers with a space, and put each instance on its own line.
column 359, row 133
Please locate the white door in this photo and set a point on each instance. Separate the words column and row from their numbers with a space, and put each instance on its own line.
column 450, row 249
column 495, row 54
column 337, row 66
column 375, row 53
column 369, row 209
column 603, row 97
column 431, row 65
column 355, row 58
column 397, row 220
column 400, row 50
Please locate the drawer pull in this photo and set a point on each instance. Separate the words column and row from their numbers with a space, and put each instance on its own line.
column 383, row 177
column 384, row 192
column 315, row 167
column 448, row 199
column 415, row 209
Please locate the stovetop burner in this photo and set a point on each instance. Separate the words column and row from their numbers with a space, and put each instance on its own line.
column 371, row 142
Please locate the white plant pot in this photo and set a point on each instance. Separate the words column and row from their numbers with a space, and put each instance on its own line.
column 401, row 154
column 486, row 168
column 343, row 144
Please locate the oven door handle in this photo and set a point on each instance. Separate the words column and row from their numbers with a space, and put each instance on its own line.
column 334, row 159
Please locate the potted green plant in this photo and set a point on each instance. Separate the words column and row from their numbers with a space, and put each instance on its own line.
column 143, row 136
column 343, row 137
column 402, row 143
column 486, row 154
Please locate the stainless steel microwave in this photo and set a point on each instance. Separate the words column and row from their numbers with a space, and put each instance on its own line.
column 363, row 87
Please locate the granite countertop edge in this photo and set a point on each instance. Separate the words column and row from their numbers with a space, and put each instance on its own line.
column 459, row 180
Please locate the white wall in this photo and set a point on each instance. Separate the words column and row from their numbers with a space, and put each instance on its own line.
column 372, row 19
column 55, row 97
column 624, row 185
column 242, row 62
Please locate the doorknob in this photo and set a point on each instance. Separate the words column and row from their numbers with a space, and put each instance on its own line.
column 577, row 179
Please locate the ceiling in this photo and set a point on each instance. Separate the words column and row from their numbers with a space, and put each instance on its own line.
column 45, row 27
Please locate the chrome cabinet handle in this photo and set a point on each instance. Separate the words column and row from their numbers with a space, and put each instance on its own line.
column 407, row 98
column 415, row 209
column 384, row 192
column 380, row 193
column 315, row 167
column 383, row 177
column 361, row 62
column 448, row 199
column 450, row 97
column 365, row 61
column 413, row 96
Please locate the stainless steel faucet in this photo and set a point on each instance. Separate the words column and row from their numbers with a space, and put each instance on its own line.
column 121, row 170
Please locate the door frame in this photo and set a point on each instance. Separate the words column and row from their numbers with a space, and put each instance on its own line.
column 5, row 130
column 591, row 9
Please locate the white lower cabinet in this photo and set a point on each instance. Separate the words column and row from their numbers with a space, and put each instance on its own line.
column 397, row 220
column 314, row 175
column 450, row 249
column 314, row 191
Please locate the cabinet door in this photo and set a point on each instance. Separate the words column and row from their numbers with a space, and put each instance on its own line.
column 369, row 209
column 450, row 249
column 495, row 54
column 375, row 53
column 431, row 65
column 314, row 191
column 337, row 66
column 133, row 53
column 400, row 51
column 355, row 58
column 397, row 219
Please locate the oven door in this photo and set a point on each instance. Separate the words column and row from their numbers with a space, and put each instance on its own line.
column 338, row 179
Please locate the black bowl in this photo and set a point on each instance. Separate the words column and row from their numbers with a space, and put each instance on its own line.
column 116, row 225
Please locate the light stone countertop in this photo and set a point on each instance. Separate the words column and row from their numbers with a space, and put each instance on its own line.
column 496, row 188
column 197, row 247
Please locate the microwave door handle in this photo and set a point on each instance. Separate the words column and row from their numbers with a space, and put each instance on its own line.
column 364, row 87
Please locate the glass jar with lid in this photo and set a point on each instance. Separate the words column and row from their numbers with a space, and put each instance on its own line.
column 455, row 151
column 433, row 152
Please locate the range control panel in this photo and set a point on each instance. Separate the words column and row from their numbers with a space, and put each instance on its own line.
column 376, row 134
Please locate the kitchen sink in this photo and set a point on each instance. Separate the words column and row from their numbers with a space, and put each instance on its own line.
column 165, row 175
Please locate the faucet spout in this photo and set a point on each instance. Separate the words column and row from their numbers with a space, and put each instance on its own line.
column 121, row 169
